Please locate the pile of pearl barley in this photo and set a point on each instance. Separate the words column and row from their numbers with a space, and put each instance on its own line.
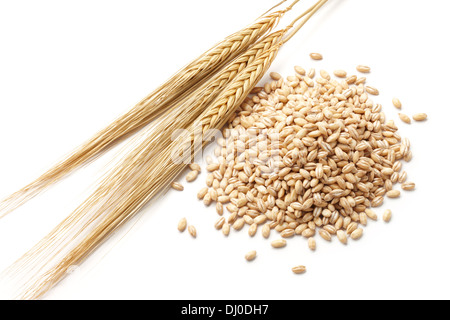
column 302, row 157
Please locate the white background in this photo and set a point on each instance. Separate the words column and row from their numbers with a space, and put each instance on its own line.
column 67, row 68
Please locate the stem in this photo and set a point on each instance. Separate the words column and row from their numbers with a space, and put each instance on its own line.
column 311, row 11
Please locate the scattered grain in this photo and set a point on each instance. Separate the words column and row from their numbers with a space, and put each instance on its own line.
column 177, row 186
column 312, row 244
column 408, row 186
column 420, row 116
column 363, row 68
column 182, row 225
column 192, row 231
column 404, row 118
column 357, row 234
column 250, row 256
column 280, row 243
column 340, row 73
column 396, row 103
column 299, row 269
column 387, row 215
column 393, row 194
column 191, row 176
column 275, row 76
column 316, row 56
column 373, row 91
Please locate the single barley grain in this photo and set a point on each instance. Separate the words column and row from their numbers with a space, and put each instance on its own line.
column 404, row 118
column 393, row 194
column 396, row 103
column 371, row 214
column 357, row 234
column 342, row 236
column 312, row 244
column 192, row 231
column 387, row 215
column 420, row 116
column 373, row 91
column 191, row 176
column 287, row 233
column 275, row 76
column 363, row 69
column 363, row 218
column 226, row 229
column 195, row 167
column 207, row 199
column 219, row 208
column 299, row 269
column 182, row 225
column 408, row 186
column 280, row 243
column 219, row 223
column 201, row 194
column 325, row 75
column 177, row 186
column 352, row 227
column 316, row 56
column 325, row 235
column 300, row 70
column 238, row 224
column 266, row 231
column 250, row 256
column 340, row 73
column 252, row 230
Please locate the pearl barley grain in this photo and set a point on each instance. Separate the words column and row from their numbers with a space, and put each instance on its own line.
column 387, row 215
column 316, row 56
column 192, row 231
column 363, row 69
column 404, row 118
column 250, row 256
column 177, row 186
column 340, row 73
column 312, row 244
column 420, row 116
column 396, row 102
column 280, row 243
column 182, row 225
column 191, row 176
column 299, row 269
